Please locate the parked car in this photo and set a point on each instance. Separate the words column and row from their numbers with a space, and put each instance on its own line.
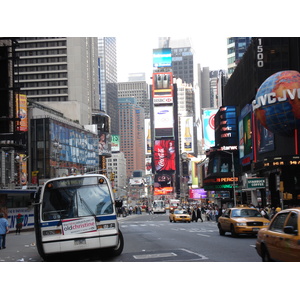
column 179, row 215
column 241, row 220
column 280, row 241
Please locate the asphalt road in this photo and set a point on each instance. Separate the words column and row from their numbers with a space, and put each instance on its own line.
column 152, row 238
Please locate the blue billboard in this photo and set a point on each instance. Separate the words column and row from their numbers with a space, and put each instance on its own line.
column 162, row 58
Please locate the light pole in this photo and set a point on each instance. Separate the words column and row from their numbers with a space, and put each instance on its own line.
column 233, row 175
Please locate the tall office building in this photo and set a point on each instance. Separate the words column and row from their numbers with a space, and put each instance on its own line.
column 108, row 79
column 138, row 90
column 131, row 122
column 61, row 72
column 236, row 47
column 182, row 57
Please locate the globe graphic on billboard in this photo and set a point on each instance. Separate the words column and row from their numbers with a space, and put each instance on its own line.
column 277, row 102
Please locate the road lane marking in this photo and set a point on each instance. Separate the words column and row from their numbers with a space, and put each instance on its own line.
column 155, row 255
column 195, row 253
column 206, row 235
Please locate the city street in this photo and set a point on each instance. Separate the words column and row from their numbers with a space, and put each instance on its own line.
column 152, row 238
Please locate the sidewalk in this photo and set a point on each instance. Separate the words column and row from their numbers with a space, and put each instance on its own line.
column 20, row 247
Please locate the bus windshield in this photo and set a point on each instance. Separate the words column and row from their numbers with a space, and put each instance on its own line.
column 72, row 201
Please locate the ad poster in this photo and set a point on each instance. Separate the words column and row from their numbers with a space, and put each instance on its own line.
column 164, row 155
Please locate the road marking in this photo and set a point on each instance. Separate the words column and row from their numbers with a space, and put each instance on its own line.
column 156, row 255
column 195, row 253
column 206, row 235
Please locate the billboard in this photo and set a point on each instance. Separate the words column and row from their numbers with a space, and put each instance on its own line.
column 226, row 133
column 208, row 117
column 245, row 135
column 163, row 121
column 197, row 194
column 187, row 134
column 162, row 87
column 148, row 142
column 21, row 107
column 162, row 58
column 115, row 143
column 164, row 155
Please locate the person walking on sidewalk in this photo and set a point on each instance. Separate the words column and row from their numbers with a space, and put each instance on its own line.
column 3, row 231
column 19, row 224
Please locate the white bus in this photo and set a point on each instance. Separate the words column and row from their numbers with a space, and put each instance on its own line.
column 159, row 206
column 76, row 213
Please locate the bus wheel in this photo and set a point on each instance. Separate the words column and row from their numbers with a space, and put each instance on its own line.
column 119, row 248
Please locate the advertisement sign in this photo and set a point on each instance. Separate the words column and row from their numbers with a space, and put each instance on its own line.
column 148, row 165
column 163, row 121
column 148, row 142
column 77, row 146
column 115, row 142
column 187, row 134
column 226, row 133
column 162, row 88
column 104, row 143
column 75, row 226
column 208, row 118
column 256, row 183
column 21, row 107
column 197, row 194
column 162, row 58
column 164, row 155
column 245, row 135
column 163, row 190
column 28, row 217
column 276, row 103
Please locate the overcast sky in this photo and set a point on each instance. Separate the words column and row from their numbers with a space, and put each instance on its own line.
column 134, row 54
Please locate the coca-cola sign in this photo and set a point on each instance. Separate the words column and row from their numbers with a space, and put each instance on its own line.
column 164, row 155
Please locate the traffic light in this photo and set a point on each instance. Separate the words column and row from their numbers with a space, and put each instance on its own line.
column 112, row 176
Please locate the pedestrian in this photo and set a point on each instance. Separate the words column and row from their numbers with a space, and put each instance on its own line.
column 3, row 231
column 19, row 224
column 199, row 214
column 194, row 217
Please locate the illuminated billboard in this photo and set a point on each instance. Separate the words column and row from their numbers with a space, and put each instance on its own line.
column 226, row 126
column 208, row 118
column 277, row 102
column 162, row 87
column 197, row 194
column 164, row 155
column 163, row 121
column 162, row 58
column 187, row 134
column 245, row 135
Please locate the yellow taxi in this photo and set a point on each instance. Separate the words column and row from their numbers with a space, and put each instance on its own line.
column 180, row 216
column 241, row 220
column 280, row 241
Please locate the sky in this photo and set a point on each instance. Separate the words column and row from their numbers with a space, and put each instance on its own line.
column 134, row 54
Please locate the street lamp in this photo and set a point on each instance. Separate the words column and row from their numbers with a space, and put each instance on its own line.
column 233, row 174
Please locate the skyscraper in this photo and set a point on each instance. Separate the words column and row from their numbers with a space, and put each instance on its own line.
column 61, row 72
column 131, row 117
column 108, row 79
column 138, row 90
column 182, row 57
column 236, row 47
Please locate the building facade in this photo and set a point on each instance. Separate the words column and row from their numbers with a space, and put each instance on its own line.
column 107, row 61
column 266, row 156
column 236, row 47
column 131, row 120
column 137, row 89
column 61, row 73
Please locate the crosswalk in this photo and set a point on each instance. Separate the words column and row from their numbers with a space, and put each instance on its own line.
column 190, row 228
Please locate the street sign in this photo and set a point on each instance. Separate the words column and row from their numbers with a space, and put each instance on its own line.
column 256, row 183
